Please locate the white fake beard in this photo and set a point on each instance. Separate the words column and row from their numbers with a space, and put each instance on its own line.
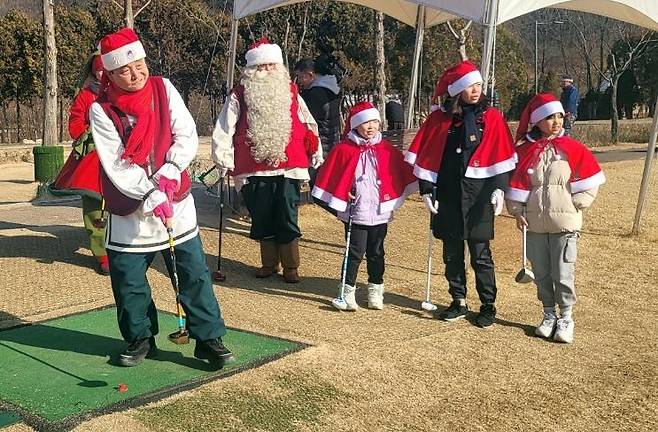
column 268, row 99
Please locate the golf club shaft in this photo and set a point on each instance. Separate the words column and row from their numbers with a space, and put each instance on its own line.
column 221, row 223
column 430, row 241
column 525, row 239
column 174, row 279
column 348, row 237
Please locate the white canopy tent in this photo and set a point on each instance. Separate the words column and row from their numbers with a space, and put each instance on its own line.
column 426, row 13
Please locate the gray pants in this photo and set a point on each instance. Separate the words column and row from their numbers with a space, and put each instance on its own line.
column 553, row 258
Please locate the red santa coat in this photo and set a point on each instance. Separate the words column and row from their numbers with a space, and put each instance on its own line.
column 336, row 175
column 585, row 170
column 79, row 112
column 296, row 151
column 494, row 155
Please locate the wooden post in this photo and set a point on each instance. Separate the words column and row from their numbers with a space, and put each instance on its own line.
column 129, row 19
column 50, row 79
column 381, row 69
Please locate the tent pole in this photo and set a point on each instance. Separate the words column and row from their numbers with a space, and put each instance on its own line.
column 230, row 70
column 413, row 82
column 647, row 171
column 491, row 19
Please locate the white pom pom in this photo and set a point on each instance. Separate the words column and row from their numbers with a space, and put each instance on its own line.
column 531, row 171
column 558, row 157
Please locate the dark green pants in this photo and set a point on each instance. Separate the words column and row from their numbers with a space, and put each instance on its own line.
column 136, row 311
column 272, row 203
column 91, row 211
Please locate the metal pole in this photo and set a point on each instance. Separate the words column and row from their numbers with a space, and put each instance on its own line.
column 413, row 84
column 647, row 171
column 536, row 61
column 230, row 71
column 491, row 20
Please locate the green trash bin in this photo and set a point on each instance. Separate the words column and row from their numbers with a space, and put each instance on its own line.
column 48, row 160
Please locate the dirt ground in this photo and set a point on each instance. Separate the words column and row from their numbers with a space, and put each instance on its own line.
column 396, row 369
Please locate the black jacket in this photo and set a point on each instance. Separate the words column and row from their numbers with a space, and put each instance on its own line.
column 324, row 105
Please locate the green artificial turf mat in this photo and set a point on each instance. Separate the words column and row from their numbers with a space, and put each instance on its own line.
column 8, row 418
column 59, row 372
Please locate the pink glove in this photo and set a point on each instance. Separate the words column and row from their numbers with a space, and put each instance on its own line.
column 169, row 187
column 164, row 211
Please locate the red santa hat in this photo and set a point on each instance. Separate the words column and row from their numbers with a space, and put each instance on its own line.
column 360, row 113
column 457, row 79
column 121, row 48
column 263, row 52
column 540, row 106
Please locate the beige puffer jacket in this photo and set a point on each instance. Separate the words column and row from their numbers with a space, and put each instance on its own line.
column 551, row 207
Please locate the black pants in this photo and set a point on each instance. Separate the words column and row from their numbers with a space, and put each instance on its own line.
column 272, row 202
column 482, row 263
column 368, row 240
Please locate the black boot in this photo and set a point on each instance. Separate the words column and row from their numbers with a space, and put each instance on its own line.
column 214, row 351
column 487, row 316
column 137, row 352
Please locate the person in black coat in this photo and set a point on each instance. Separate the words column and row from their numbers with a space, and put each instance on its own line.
column 462, row 155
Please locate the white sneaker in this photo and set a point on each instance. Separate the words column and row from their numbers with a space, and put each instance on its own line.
column 349, row 298
column 545, row 329
column 375, row 296
column 564, row 330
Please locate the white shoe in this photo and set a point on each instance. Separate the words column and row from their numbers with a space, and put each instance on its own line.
column 350, row 301
column 375, row 296
column 547, row 326
column 564, row 330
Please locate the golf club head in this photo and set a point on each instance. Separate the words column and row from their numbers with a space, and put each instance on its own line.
column 524, row 276
column 428, row 306
column 218, row 276
column 99, row 223
column 339, row 304
column 180, row 337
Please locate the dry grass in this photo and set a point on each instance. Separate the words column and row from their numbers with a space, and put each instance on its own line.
column 397, row 369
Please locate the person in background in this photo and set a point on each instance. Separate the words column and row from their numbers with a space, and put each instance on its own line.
column 569, row 99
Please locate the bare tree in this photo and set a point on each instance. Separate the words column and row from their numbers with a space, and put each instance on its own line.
column 381, row 67
column 127, row 7
column 461, row 37
column 50, row 77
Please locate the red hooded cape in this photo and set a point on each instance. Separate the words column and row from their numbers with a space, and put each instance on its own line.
column 495, row 154
column 585, row 170
column 336, row 176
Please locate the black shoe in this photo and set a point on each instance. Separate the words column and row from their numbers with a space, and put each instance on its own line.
column 213, row 350
column 487, row 315
column 137, row 352
column 454, row 312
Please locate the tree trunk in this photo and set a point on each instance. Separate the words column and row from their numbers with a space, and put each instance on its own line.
column 614, row 118
column 61, row 120
column 381, row 69
column 18, row 121
column 129, row 19
column 50, row 78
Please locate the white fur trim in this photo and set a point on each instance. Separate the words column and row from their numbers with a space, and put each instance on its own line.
column 264, row 54
column 394, row 204
column 425, row 174
column 464, row 82
column 546, row 110
column 519, row 195
column 589, row 183
column 410, row 157
column 364, row 116
column 333, row 202
column 123, row 56
column 490, row 171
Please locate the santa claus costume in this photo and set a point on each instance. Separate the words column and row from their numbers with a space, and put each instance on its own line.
column 556, row 178
column 79, row 176
column 463, row 152
column 266, row 136
column 145, row 139
column 374, row 173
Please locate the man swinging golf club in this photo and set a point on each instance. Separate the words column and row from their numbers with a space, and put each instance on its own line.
column 145, row 138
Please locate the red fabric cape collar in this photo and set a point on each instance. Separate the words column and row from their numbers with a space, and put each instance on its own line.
column 336, row 175
column 494, row 155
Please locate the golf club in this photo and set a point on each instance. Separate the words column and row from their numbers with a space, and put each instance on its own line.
column 181, row 336
column 217, row 275
column 427, row 303
column 339, row 302
column 525, row 275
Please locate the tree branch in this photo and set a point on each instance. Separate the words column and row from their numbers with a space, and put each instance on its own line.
column 142, row 8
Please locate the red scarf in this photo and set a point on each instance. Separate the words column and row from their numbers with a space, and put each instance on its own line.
column 494, row 155
column 138, row 104
column 336, row 175
column 585, row 170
